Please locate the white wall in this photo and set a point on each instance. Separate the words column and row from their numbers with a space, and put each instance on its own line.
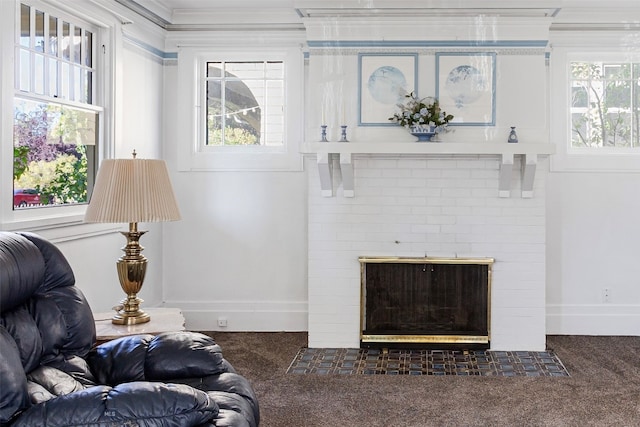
column 93, row 258
column 140, row 129
column 592, row 207
column 593, row 240
column 240, row 250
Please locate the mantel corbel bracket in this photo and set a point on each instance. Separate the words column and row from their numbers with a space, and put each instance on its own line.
column 528, row 173
column 529, row 163
column 325, row 171
column 346, row 169
column 504, row 179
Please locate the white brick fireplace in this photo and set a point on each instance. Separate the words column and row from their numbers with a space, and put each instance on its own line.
column 470, row 195
column 434, row 205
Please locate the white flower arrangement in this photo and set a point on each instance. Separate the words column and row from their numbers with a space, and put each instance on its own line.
column 424, row 112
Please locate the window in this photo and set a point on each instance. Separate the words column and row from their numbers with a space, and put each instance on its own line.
column 594, row 91
column 56, row 117
column 245, row 103
column 605, row 104
column 240, row 109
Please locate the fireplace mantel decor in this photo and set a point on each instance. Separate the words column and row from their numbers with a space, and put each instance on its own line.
column 425, row 302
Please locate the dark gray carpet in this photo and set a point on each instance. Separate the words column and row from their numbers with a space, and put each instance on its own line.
column 603, row 389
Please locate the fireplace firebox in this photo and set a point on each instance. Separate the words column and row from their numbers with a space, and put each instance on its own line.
column 425, row 302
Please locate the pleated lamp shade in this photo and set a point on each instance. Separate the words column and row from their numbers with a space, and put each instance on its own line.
column 132, row 190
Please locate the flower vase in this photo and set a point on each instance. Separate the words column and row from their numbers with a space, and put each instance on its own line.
column 424, row 133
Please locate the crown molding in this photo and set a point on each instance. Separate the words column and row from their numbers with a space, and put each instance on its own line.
column 144, row 12
column 296, row 15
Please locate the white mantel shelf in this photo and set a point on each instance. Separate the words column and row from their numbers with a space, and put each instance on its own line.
column 471, row 148
column 506, row 152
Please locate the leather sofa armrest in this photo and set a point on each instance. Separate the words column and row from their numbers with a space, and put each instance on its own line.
column 167, row 356
column 13, row 381
column 174, row 355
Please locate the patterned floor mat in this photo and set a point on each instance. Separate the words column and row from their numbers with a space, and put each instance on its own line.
column 349, row 361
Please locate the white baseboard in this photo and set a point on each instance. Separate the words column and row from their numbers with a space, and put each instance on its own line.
column 603, row 319
column 258, row 316
column 254, row 316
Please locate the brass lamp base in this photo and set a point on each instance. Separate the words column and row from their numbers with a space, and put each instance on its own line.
column 132, row 267
column 130, row 314
column 127, row 319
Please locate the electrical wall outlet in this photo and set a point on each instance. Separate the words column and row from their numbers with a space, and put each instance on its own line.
column 222, row 322
column 606, row 295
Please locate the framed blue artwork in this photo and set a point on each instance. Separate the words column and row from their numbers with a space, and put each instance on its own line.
column 466, row 87
column 384, row 80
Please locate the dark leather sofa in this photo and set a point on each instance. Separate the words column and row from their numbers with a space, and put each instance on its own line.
column 52, row 374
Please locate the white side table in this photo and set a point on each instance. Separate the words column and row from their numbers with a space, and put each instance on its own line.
column 162, row 320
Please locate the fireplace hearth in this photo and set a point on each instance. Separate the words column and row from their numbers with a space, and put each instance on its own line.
column 425, row 303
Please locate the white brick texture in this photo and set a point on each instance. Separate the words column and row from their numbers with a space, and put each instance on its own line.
column 421, row 205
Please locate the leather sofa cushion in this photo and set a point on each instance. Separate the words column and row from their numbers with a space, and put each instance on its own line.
column 142, row 404
column 120, row 360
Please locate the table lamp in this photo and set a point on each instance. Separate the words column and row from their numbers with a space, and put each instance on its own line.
column 131, row 191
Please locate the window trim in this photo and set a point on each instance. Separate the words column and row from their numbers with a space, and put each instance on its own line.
column 581, row 46
column 193, row 155
column 93, row 103
column 105, row 34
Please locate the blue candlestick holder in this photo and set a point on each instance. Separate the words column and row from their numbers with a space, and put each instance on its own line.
column 343, row 134
column 323, row 134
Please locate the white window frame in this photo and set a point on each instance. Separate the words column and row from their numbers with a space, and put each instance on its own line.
column 194, row 155
column 103, row 29
column 584, row 46
column 267, row 135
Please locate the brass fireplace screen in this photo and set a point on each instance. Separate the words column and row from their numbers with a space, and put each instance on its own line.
column 425, row 302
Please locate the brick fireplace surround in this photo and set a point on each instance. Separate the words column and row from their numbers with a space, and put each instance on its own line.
column 433, row 205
